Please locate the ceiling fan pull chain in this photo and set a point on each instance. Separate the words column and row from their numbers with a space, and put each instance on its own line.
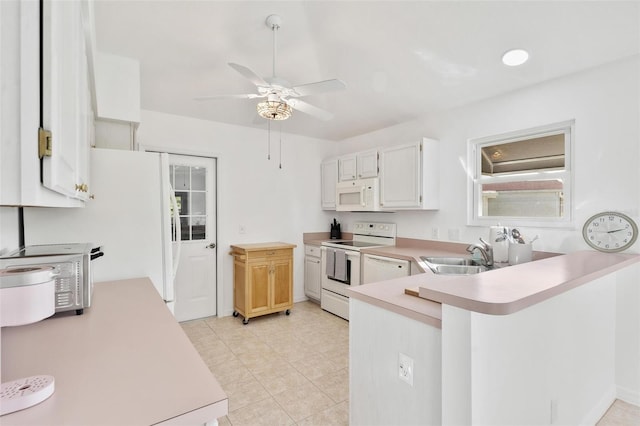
column 269, row 141
column 280, row 145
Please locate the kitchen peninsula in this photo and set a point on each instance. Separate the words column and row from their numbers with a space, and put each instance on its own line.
column 124, row 361
column 536, row 343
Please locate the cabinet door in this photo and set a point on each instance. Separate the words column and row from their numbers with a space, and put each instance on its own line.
column 367, row 164
column 65, row 98
column 259, row 274
column 329, row 179
column 400, row 176
column 347, row 167
column 312, row 277
column 282, row 276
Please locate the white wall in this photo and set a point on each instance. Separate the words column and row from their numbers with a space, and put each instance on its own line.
column 377, row 396
column 8, row 229
column 272, row 204
column 552, row 363
column 628, row 334
column 604, row 103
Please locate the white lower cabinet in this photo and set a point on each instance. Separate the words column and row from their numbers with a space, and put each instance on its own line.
column 312, row 272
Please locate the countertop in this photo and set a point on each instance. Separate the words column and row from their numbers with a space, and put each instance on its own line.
column 124, row 361
column 500, row 291
column 262, row 246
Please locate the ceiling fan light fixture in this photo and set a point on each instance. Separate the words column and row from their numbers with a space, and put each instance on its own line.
column 274, row 110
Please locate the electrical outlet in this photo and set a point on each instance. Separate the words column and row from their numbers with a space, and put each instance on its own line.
column 405, row 368
column 242, row 229
column 435, row 233
column 454, row 234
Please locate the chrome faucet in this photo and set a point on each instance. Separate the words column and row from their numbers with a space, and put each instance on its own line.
column 485, row 249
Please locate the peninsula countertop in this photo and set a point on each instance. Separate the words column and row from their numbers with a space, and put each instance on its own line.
column 498, row 292
column 124, row 361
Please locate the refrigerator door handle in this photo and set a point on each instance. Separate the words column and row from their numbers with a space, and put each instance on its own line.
column 175, row 216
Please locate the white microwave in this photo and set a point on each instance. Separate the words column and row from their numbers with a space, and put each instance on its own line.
column 360, row 195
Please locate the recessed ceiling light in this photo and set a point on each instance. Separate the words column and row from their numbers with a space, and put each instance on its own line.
column 515, row 57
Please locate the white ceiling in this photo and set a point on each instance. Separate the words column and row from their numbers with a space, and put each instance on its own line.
column 400, row 59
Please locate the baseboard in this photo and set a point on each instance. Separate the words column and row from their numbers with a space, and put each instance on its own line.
column 628, row 395
column 598, row 410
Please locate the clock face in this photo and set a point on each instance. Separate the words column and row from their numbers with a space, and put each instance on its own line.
column 610, row 232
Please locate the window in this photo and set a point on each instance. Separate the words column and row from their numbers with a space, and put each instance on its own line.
column 522, row 178
column 189, row 185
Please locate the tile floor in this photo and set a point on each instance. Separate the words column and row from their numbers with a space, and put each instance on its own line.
column 293, row 370
column 278, row 369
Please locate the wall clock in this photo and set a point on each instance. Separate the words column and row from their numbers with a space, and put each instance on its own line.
column 610, row 232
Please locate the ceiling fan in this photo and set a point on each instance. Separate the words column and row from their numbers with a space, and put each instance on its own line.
column 281, row 97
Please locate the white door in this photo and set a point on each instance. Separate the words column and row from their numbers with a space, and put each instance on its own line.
column 193, row 181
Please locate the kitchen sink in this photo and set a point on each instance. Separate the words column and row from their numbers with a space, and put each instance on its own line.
column 454, row 265
column 462, row 261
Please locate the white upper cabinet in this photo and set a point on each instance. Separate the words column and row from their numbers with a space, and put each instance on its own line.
column 329, row 179
column 409, row 176
column 359, row 165
column 347, row 167
column 66, row 108
column 367, row 164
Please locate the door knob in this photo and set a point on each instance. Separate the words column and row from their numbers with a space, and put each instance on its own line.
column 211, row 246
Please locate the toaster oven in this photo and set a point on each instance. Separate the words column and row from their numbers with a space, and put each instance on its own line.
column 72, row 266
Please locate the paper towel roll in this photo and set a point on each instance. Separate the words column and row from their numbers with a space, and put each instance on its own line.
column 500, row 248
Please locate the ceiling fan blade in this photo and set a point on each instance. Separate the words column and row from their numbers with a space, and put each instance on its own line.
column 249, row 75
column 246, row 96
column 309, row 109
column 320, row 87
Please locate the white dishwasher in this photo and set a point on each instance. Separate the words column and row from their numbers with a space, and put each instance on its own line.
column 380, row 268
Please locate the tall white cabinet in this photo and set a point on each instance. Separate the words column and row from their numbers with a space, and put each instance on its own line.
column 38, row 168
column 328, row 181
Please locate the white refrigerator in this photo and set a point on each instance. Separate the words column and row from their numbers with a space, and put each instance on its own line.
column 129, row 216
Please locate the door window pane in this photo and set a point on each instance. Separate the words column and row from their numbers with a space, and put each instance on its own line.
column 183, row 203
column 198, row 176
column 185, row 234
column 189, row 185
column 181, row 178
column 198, row 203
column 198, row 227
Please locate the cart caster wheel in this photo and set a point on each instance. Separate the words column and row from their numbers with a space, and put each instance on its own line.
column 245, row 321
column 287, row 312
column 235, row 313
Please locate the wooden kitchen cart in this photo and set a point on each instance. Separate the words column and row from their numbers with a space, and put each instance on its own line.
column 262, row 279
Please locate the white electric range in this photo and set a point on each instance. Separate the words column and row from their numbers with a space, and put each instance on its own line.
column 341, row 266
